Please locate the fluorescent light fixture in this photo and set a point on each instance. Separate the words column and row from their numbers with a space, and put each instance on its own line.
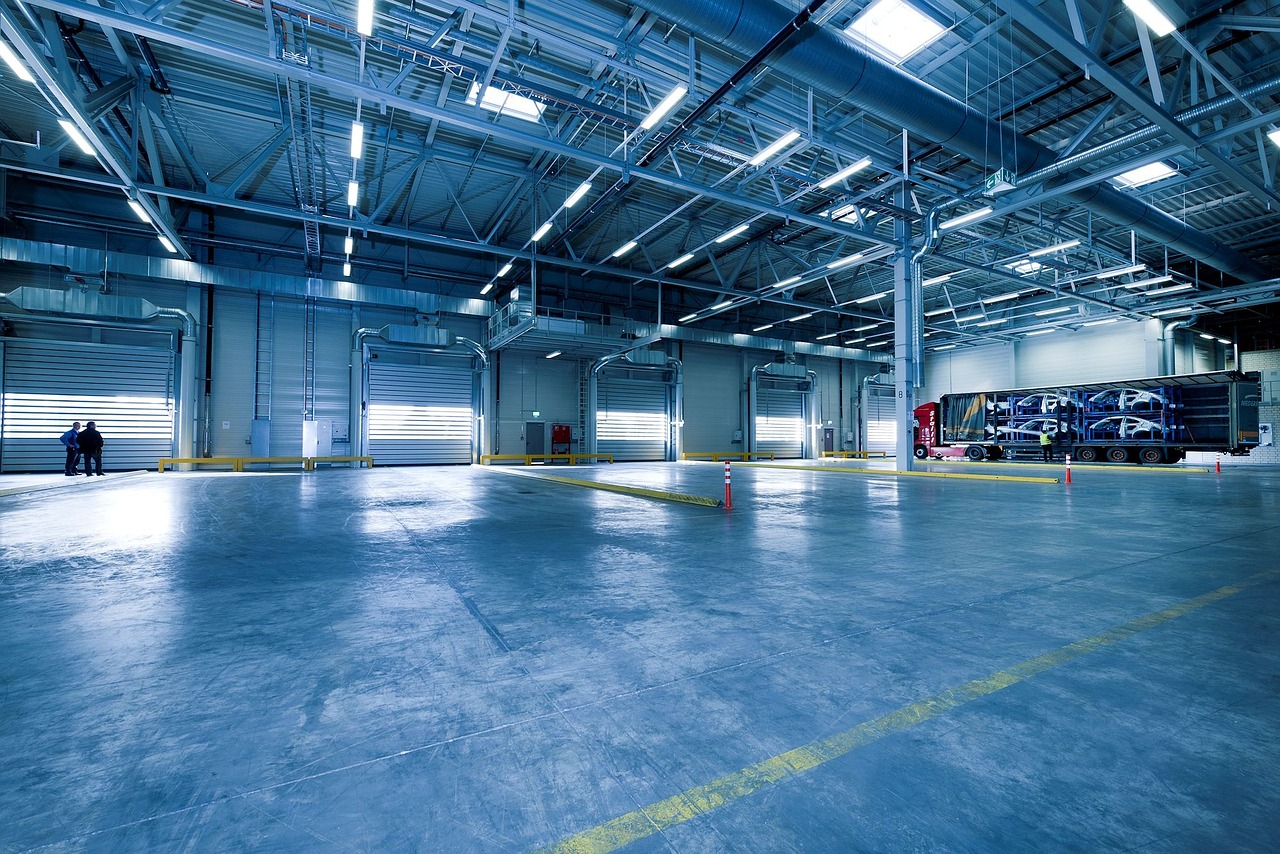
column 731, row 233
column 879, row 344
column 965, row 219
column 1121, row 271
column 937, row 311
column 944, row 347
column 785, row 282
column 348, row 245
column 827, row 336
column 506, row 103
column 993, row 322
column 1151, row 15
column 11, row 59
column 1002, row 297
column 488, row 287
column 804, row 316
column 774, row 147
column 624, row 249
column 541, row 232
column 968, row 317
column 840, row 212
column 1157, row 280
column 1168, row 311
column 926, row 335
column 762, row 328
column 1172, row 289
column 1148, row 174
column 140, row 211
column 937, row 280
column 1274, row 136
column 1223, row 341
column 1102, row 322
column 683, row 259
column 167, row 243
column 1048, row 311
column 506, row 268
column 1040, row 332
column 514, row 295
column 357, row 140
column 665, row 106
column 1025, row 267
column 894, row 28
column 865, row 328
column 857, row 166
column 688, row 317
column 845, row 261
column 1206, row 336
column 721, row 305
column 353, row 193
column 346, row 269
column 856, row 341
column 77, row 137
column 1057, row 247
column 872, row 297
column 576, row 195
column 552, row 354
column 364, row 17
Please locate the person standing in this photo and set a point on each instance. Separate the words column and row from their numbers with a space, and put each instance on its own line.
column 70, row 441
column 91, row 446
column 1046, row 444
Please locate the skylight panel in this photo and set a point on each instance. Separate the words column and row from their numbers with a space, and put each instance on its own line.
column 894, row 28
column 1148, row 174
column 506, row 103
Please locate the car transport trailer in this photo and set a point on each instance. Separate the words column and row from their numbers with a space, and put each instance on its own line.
column 1155, row 420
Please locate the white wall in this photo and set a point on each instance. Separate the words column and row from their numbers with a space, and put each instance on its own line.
column 712, row 397
column 970, row 369
column 528, row 383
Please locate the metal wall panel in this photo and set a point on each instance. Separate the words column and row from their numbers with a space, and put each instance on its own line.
column 420, row 414
column 288, row 372
column 230, row 414
column 976, row 369
column 632, row 421
column 712, row 398
column 333, row 372
column 879, row 419
column 128, row 391
column 528, row 383
column 1114, row 352
column 780, row 421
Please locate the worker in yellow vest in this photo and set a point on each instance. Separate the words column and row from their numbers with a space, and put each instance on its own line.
column 1046, row 445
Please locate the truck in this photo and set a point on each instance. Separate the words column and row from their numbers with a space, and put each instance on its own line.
column 1154, row 420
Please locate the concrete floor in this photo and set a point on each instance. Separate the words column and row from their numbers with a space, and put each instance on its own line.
column 467, row 660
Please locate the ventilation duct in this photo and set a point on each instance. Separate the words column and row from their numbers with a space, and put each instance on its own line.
column 91, row 304
column 836, row 66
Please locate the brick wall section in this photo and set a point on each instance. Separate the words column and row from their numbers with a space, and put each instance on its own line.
column 1262, row 360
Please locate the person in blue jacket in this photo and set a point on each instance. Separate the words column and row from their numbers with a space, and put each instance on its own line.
column 70, row 440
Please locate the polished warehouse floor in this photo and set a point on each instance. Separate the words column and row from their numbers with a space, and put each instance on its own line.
column 470, row 660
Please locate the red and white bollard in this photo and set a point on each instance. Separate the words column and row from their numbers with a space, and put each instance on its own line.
column 1068, row 468
column 1217, row 465
column 728, row 492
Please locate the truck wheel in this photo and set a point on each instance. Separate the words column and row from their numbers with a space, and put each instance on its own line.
column 1087, row 454
column 921, row 452
column 1151, row 455
column 975, row 453
column 1118, row 455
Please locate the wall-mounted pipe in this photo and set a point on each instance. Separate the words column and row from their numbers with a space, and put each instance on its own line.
column 1169, row 340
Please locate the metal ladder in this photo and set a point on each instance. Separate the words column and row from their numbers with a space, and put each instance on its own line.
column 303, row 168
column 309, row 360
column 584, row 379
column 262, row 360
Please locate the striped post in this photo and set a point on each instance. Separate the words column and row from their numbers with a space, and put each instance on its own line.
column 1217, row 464
column 728, row 492
column 1068, row 468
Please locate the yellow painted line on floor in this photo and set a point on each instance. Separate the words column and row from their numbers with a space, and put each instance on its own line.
column 700, row 800
column 641, row 491
column 1156, row 468
column 895, row 473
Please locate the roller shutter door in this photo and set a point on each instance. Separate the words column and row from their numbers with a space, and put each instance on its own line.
column 780, row 422
column 631, row 419
column 879, row 420
column 128, row 391
column 419, row 414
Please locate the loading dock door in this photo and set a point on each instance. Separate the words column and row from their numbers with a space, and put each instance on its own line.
column 420, row 414
column 879, row 419
column 780, row 422
column 128, row 391
column 632, row 419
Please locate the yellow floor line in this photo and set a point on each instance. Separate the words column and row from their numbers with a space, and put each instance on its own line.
column 894, row 473
column 697, row 801
column 1158, row 468
column 625, row 490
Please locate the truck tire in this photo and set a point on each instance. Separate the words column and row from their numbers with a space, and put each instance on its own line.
column 976, row 453
column 1151, row 455
column 1118, row 455
column 1087, row 454
column 921, row 452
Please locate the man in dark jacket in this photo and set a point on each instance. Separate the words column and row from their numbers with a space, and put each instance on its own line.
column 91, row 446
column 69, row 441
